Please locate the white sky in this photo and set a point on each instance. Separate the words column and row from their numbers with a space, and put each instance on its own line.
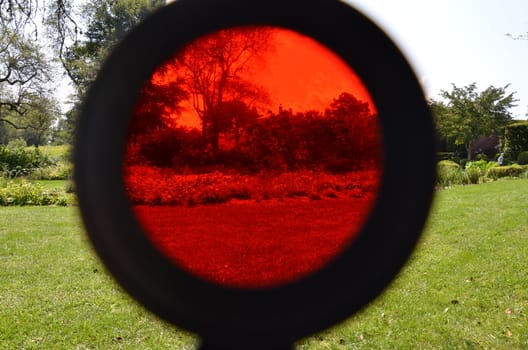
column 459, row 41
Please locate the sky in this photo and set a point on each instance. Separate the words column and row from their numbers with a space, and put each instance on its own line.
column 302, row 74
column 297, row 73
column 459, row 42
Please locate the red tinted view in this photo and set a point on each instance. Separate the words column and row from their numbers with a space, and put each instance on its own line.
column 253, row 157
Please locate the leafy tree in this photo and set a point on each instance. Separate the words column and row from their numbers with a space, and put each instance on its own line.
column 519, row 36
column 35, row 125
column 39, row 121
column 63, row 131
column 24, row 68
column 217, row 68
column 157, row 105
column 465, row 114
column 83, row 40
column 235, row 116
column 347, row 105
column 362, row 137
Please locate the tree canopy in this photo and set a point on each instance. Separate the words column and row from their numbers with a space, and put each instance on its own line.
column 465, row 113
column 216, row 70
column 26, row 74
column 83, row 39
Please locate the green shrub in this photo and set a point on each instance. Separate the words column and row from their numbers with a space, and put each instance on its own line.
column 515, row 139
column 58, row 154
column 445, row 155
column 448, row 164
column 18, row 143
column 482, row 165
column 18, row 161
column 522, row 158
column 478, row 169
column 474, row 175
column 26, row 193
column 498, row 172
column 449, row 173
column 481, row 157
column 61, row 171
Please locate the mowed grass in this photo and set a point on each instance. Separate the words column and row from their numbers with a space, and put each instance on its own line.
column 58, row 185
column 55, row 152
column 55, row 294
column 466, row 286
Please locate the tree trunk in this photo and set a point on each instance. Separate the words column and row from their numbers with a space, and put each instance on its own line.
column 236, row 134
column 215, row 133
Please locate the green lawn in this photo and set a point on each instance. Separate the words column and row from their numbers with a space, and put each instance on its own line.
column 466, row 286
column 61, row 152
column 54, row 294
column 52, row 184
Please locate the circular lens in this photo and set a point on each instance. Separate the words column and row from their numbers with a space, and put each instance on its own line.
column 253, row 157
column 255, row 188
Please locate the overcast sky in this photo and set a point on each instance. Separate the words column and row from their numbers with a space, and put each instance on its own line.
column 459, row 41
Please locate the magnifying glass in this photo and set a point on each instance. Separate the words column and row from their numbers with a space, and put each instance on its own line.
column 255, row 172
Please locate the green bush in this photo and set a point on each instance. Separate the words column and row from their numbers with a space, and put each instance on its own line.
column 18, row 161
column 18, row 143
column 482, row 165
column 448, row 164
column 61, row 171
column 474, row 175
column 26, row 193
column 478, row 169
column 522, row 158
column 445, row 155
column 481, row 157
column 515, row 139
column 450, row 173
column 514, row 170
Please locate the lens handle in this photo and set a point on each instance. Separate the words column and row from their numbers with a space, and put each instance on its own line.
column 205, row 345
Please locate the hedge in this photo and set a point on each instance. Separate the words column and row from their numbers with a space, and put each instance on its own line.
column 514, row 170
column 515, row 139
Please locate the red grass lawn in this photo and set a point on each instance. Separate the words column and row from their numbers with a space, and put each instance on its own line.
column 248, row 244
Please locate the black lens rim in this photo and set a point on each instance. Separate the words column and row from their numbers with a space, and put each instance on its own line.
column 277, row 315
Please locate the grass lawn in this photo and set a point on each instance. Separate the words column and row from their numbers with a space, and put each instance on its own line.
column 55, row 152
column 255, row 244
column 466, row 286
column 54, row 293
column 52, row 184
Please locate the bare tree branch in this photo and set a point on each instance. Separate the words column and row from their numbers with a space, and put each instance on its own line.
column 518, row 37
